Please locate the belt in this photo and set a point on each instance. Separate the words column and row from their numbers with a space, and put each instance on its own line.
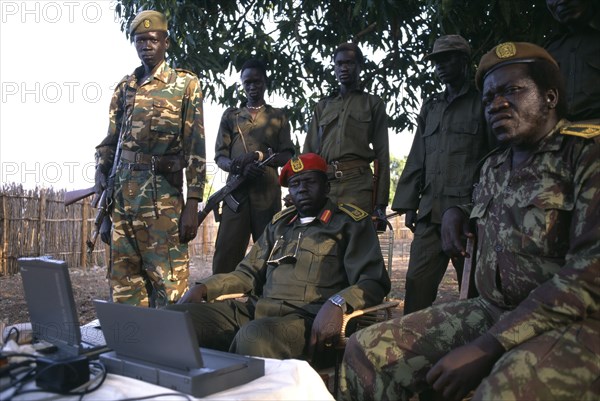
column 160, row 164
column 336, row 169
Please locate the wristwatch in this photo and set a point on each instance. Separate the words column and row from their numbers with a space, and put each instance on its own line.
column 338, row 300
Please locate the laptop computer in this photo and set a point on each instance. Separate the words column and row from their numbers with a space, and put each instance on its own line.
column 138, row 337
column 52, row 311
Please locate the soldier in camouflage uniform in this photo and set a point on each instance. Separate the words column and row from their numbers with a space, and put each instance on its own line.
column 157, row 111
column 532, row 334
column 349, row 130
column 313, row 262
column 246, row 134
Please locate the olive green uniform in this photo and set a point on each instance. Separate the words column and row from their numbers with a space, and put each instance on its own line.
column 537, row 274
column 162, row 130
column 349, row 133
column 259, row 198
column 440, row 171
column 337, row 253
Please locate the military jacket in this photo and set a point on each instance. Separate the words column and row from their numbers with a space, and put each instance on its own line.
column 538, row 251
column 343, row 129
column 337, row 253
column 162, row 116
column 442, row 166
column 578, row 56
column 270, row 128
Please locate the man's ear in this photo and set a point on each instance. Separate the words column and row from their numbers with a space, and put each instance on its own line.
column 167, row 42
column 552, row 98
column 327, row 187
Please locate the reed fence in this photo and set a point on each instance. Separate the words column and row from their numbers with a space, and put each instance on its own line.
column 35, row 222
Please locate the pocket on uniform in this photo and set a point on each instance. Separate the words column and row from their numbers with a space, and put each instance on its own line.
column 324, row 268
column 165, row 117
column 546, row 221
column 327, row 119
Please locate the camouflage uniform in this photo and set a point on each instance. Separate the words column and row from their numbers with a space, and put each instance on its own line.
column 160, row 118
column 450, row 141
column 342, row 131
column 537, row 272
column 337, row 253
column 578, row 55
column 259, row 198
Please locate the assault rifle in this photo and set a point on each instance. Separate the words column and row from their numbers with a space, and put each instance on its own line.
column 224, row 194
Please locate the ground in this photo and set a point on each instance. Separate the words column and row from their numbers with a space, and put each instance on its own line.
column 89, row 284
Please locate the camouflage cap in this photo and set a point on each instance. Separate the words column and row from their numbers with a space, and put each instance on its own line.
column 302, row 164
column 509, row 53
column 449, row 43
column 148, row 21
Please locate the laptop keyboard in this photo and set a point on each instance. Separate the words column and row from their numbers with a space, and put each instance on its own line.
column 92, row 336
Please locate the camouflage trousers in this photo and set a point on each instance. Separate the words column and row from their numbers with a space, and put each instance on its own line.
column 149, row 266
column 389, row 361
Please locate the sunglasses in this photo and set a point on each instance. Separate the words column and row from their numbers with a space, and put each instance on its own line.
column 287, row 259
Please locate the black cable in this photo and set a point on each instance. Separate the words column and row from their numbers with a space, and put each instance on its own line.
column 5, row 339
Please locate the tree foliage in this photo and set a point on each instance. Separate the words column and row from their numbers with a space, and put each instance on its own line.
column 296, row 38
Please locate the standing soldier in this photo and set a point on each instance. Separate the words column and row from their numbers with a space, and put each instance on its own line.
column 157, row 114
column 349, row 130
column 577, row 51
column 451, row 139
column 246, row 135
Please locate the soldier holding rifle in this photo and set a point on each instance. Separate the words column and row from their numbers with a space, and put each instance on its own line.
column 246, row 135
column 156, row 120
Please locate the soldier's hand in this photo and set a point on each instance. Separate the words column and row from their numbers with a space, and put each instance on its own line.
column 455, row 229
column 99, row 181
column 462, row 369
column 239, row 163
column 253, row 171
column 105, row 230
column 188, row 224
column 379, row 218
column 325, row 330
column 196, row 294
column 410, row 220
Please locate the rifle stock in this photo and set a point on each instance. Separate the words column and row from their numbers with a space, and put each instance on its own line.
column 77, row 195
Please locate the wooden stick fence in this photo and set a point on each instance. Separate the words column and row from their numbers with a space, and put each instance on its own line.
column 36, row 222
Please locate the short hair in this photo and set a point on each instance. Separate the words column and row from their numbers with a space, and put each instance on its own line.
column 547, row 76
column 256, row 64
column 350, row 47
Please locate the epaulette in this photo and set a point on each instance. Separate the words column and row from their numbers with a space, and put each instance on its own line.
column 353, row 211
column 186, row 71
column 283, row 213
column 585, row 129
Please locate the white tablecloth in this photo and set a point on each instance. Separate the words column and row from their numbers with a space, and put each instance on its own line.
column 289, row 379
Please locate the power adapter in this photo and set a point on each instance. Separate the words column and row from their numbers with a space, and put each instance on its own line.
column 61, row 376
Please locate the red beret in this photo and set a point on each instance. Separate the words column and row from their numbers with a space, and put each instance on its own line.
column 302, row 164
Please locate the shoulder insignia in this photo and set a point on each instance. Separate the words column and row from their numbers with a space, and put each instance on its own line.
column 353, row 211
column 186, row 72
column 584, row 129
column 283, row 213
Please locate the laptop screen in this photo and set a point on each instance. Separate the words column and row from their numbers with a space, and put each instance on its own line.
column 50, row 301
column 158, row 336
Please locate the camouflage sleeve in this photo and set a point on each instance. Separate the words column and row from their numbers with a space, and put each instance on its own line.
column 193, row 139
column 381, row 146
column 363, row 262
column 105, row 151
column 574, row 292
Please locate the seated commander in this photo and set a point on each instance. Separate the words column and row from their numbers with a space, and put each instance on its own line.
column 532, row 333
column 314, row 262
